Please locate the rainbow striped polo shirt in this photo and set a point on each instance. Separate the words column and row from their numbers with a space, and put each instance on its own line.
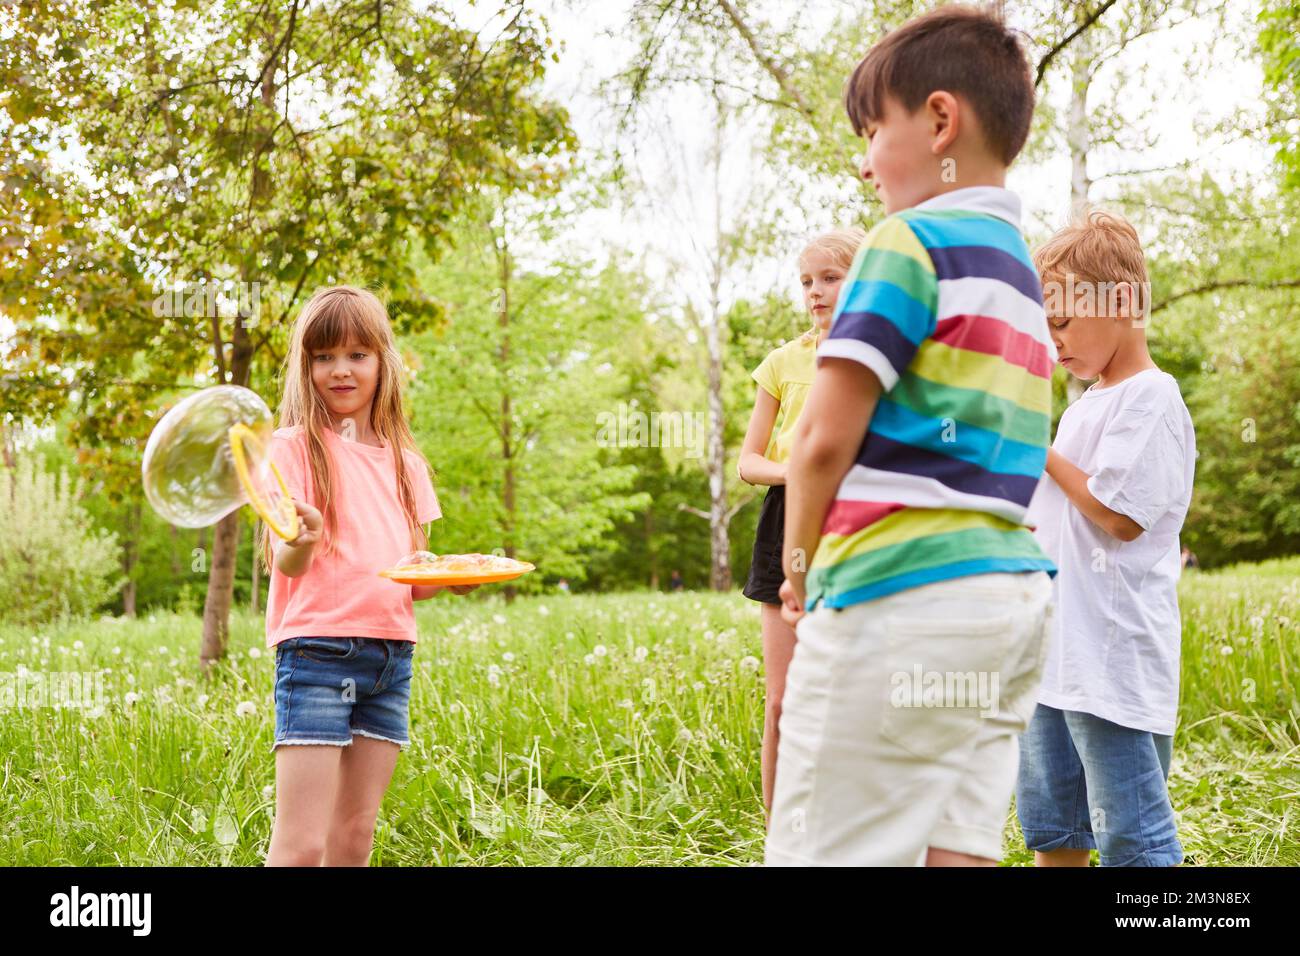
column 943, row 304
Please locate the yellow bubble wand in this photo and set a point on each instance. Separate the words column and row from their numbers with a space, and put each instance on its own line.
column 276, row 510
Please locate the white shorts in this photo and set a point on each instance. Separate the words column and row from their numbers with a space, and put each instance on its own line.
column 900, row 720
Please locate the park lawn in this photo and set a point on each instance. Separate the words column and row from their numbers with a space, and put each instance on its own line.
column 616, row 729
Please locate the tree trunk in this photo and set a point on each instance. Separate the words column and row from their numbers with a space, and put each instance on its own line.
column 1079, row 137
column 719, row 545
column 6, row 446
column 130, row 556
column 221, row 581
column 651, row 554
column 225, row 543
column 507, row 431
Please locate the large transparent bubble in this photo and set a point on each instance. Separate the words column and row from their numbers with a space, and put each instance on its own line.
column 189, row 469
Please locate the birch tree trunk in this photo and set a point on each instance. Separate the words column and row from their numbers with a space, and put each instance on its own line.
column 1079, row 137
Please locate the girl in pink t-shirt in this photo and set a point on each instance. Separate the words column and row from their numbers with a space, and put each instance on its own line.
column 343, row 636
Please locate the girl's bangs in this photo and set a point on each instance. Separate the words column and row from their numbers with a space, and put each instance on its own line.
column 338, row 320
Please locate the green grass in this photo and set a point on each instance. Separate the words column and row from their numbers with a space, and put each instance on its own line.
column 615, row 729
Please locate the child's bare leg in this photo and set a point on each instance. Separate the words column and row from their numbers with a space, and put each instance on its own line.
column 1062, row 857
column 306, row 776
column 364, row 774
column 937, row 857
column 778, row 648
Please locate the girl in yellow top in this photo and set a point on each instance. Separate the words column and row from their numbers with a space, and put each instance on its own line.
column 784, row 378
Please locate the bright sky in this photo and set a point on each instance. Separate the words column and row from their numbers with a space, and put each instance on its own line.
column 1189, row 96
column 669, row 221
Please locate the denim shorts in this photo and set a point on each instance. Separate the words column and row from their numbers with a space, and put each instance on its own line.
column 329, row 688
column 1087, row 783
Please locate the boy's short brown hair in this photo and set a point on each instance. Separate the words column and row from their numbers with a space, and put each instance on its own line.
column 962, row 50
column 1097, row 247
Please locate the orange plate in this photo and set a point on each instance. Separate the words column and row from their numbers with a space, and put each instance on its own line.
column 449, row 578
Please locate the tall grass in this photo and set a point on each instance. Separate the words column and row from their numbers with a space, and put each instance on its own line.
column 614, row 729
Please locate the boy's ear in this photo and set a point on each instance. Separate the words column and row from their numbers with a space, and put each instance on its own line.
column 943, row 113
column 1123, row 303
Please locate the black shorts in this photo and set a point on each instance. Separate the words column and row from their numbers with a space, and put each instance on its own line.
column 765, row 573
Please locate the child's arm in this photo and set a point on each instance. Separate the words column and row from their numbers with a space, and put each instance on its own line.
column 831, row 427
column 1074, row 482
column 753, row 467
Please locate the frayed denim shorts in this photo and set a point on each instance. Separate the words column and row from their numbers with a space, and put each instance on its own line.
column 328, row 689
column 1085, row 783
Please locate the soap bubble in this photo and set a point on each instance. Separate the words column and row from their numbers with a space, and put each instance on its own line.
column 189, row 469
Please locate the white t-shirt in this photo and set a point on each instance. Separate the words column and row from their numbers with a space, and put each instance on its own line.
column 1115, row 645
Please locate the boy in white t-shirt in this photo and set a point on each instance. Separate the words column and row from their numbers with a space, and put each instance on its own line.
column 1095, row 758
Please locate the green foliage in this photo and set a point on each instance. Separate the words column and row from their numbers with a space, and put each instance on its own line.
column 1279, row 45
column 286, row 147
column 509, row 397
column 1225, row 277
column 50, row 566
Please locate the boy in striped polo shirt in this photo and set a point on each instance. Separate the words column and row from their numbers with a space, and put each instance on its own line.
column 921, row 599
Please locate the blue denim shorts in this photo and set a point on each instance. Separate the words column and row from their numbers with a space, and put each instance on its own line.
column 1087, row 783
column 329, row 688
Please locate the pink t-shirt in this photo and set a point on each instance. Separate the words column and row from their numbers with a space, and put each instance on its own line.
column 342, row 594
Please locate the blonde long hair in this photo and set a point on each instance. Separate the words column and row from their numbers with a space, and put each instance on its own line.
column 842, row 246
column 331, row 318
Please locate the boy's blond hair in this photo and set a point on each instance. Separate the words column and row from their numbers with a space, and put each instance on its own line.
column 1097, row 247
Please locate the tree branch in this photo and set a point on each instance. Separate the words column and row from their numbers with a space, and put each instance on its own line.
column 1069, row 38
column 734, row 510
column 1227, row 284
column 780, row 74
column 1142, row 172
